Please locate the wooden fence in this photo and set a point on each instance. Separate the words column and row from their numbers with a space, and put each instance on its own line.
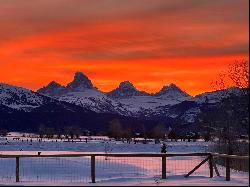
column 209, row 158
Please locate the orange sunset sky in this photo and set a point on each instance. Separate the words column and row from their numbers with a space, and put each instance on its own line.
column 148, row 42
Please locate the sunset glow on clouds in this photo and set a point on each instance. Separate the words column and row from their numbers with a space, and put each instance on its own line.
column 148, row 42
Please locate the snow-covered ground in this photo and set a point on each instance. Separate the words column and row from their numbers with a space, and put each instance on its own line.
column 109, row 171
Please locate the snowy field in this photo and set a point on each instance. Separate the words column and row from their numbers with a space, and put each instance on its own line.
column 109, row 171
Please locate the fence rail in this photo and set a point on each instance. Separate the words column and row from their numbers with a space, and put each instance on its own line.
column 92, row 161
column 107, row 154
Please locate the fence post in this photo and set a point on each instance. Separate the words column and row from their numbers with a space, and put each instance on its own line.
column 227, row 169
column 211, row 166
column 17, row 169
column 93, row 169
column 163, row 166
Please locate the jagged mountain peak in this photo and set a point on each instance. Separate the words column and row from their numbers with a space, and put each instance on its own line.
column 20, row 98
column 52, row 89
column 80, row 83
column 171, row 86
column 54, row 84
column 126, row 84
column 171, row 90
column 79, row 76
column 125, row 90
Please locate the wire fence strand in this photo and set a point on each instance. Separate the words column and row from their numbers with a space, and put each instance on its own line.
column 77, row 168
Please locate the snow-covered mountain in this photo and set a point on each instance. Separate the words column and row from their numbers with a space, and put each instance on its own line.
column 216, row 96
column 22, row 110
column 21, row 98
column 146, row 104
column 169, row 103
column 80, row 83
column 125, row 99
column 94, row 100
column 125, row 90
column 128, row 101
column 80, row 102
column 81, row 92
column 189, row 109
column 53, row 89
column 172, row 92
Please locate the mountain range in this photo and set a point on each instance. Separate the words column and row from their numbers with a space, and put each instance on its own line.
column 81, row 103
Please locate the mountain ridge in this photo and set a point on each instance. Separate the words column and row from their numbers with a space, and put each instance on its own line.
column 81, row 82
column 17, row 103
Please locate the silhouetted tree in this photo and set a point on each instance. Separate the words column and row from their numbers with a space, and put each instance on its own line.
column 115, row 129
column 159, row 131
column 3, row 132
column 72, row 131
column 233, row 113
column 41, row 130
column 49, row 131
column 173, row 135
column 127, row 134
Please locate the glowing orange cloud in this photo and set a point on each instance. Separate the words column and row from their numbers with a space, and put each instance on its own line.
column 185, row 42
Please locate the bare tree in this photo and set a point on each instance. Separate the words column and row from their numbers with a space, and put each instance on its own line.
column 237, row 75
column 41, row 131
column 115, row 129
column 49, row 131
column 72, row 131
column 159, row 131
column 127, row 134
column 234, row 108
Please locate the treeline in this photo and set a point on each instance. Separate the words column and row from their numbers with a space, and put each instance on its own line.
column 160, row 131
column 69, row 132
column 118, row 130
